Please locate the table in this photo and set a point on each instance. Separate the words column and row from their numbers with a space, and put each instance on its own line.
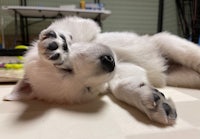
column 26, row 12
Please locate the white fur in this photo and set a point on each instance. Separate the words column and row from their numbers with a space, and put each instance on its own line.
column 140, row 65
column 50, row 84
column 84, row 31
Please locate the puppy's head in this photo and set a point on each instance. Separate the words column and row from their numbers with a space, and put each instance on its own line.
column 93, row 63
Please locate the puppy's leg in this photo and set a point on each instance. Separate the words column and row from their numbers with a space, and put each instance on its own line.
column 181, row 76
column 131, row 86
column 178, row 49
column 21, row 91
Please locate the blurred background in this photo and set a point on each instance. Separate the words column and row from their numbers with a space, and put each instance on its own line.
column 22, row 20
column 140, row 16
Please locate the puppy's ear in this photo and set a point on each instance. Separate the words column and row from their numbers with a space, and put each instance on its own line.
column 21, row 91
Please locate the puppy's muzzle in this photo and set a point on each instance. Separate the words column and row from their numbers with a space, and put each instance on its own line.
column 107, row 63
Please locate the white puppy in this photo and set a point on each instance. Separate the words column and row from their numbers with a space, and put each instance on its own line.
column 72, row 62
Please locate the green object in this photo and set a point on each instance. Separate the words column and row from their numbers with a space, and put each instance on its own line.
column 13, row 66
column 21, row 58
column 21, row 47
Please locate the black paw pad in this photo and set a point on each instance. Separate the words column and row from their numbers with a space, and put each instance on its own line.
column 65, row 47
column 52, row 46
column 156, row 97
column 156, row 90
column 63, row 37
column 167, row 108
column 49, row 34
column 54, row 56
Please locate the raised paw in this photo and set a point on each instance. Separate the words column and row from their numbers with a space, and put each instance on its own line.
column 160, row 109
column 53, row 47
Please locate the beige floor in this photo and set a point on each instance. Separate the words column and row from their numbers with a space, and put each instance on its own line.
column 104, row 118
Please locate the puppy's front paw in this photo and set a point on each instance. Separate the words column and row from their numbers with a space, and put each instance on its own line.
column 159, row 109
column 53, row 47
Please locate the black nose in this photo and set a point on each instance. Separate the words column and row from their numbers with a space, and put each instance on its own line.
column 107, row 62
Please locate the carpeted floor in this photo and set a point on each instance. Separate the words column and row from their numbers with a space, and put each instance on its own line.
column 104, row 118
